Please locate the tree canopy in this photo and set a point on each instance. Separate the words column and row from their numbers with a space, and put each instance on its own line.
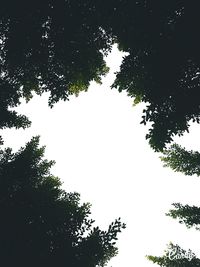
column 175, row 255
column 162, row 68
column 54, row 46
column 58, row 47
column 187, row 162
column 41, row 224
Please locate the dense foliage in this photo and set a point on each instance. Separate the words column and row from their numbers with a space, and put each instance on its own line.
column 181, row 160
column 163, row 66
column 54, row 46
column 187, row 162
column 41, row 224
column 58, row 46
column 189, row 215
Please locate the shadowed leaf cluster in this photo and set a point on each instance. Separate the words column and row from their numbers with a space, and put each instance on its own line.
column 187, row 162
column 41, row 224
column 189, row 215
column 181, row 160
column 48, row 46
column 58, row 47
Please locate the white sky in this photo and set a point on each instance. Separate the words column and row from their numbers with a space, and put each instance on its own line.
column 100, row 151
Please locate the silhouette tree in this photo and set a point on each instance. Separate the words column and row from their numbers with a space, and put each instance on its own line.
column 53, row 46
column 174, row 255
column 162, row 68
column 187, row 162
column 41, row 224
column 58, row 47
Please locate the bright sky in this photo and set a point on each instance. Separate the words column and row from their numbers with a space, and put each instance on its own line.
column 100, row 151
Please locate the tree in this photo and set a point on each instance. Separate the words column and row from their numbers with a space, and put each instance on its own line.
column 41, row 224
column 58, row 47
column 176, row 256
column 187, row 162
column 162, row 68
column 53, row 46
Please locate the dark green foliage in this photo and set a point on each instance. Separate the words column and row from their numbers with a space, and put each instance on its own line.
column 54, row 46
column 189, row 215
column 181, row 160
column 187, row 162
column 51, row 46
column 175, row 256
column 163, row 66
column 41, row 224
